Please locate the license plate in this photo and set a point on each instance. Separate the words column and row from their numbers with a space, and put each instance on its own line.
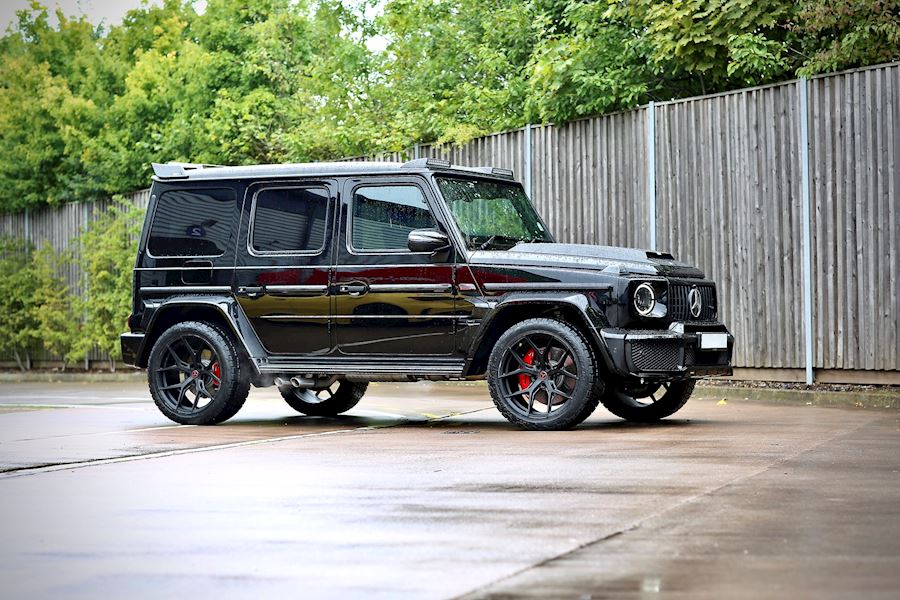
column 713, row 341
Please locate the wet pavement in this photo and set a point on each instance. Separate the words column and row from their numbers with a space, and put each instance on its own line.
column 424, row 491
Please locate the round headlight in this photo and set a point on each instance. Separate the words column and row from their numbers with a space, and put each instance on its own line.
column 644, row 299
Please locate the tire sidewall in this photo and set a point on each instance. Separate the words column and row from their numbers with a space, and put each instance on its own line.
column 228, row 364
column 571, row 413
column 622, row 405
column 345, row 398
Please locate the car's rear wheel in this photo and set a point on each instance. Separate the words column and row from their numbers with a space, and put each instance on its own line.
column 339, row 397
column 195, row 374
column 542, row 375
column 649, row 402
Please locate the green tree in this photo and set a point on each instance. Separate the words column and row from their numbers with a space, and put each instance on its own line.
column 107, row 249
column 58, row 325
column 18, row 321
column 842, row 34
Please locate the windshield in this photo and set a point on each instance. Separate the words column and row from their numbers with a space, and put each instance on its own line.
column 492, row 215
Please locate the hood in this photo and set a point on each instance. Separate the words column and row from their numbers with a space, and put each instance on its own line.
column 583, row 256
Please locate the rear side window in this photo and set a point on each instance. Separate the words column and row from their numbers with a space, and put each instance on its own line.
column 192, row 223
column 384, row 215
column 289, row 220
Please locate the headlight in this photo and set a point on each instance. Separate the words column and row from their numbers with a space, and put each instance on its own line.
column 644, row 299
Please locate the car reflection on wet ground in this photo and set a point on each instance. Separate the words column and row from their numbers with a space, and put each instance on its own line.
column 424, row 491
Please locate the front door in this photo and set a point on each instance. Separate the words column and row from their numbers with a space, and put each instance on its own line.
column 387, row 300
column 284, row 257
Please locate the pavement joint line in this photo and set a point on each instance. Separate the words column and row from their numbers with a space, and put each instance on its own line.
column 26, row 471
column 104, row 406
column 637, row 524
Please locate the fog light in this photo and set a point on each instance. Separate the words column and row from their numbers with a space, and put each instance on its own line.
column 644, row 299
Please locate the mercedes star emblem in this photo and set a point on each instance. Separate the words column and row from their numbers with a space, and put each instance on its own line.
column 695, row 301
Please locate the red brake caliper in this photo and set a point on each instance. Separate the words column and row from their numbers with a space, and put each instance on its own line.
column 217, row 371
column 525, row 380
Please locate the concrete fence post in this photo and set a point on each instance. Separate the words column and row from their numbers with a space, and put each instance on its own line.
column 651, row 171
column 527, row 159
column 803, row 86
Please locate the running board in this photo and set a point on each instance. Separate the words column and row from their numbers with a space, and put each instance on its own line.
column 448, row 368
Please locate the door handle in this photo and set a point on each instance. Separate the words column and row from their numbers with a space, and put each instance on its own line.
column 353, row 289
column 251, row 291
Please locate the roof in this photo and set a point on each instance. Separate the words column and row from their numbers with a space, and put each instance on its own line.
column 191, row 171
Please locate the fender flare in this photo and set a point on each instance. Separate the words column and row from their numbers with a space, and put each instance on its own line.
column 578, row 301
column 226, row 306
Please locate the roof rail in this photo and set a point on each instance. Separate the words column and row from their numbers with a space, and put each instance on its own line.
column 177, row 170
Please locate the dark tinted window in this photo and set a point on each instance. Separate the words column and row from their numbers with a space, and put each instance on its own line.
column 289, row 220
column 192, row 223
column 384, row 215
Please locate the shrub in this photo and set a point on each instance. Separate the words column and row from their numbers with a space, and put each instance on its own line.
column 107, row 249
column 18, row 320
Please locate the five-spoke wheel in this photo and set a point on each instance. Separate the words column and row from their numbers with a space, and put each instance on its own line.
column 542, row 375
column 195, row 374
column 648, row 402
column 337, row 398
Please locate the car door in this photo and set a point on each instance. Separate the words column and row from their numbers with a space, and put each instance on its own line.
column 387, row 299
column 282, row 273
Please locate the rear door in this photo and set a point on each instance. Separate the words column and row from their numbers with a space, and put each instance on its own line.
column 284, row 257
column 388, row 300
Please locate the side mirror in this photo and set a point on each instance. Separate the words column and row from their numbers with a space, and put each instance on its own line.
column 427, row 240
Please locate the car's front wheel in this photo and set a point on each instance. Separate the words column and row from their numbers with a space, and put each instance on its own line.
column 649, row 402
column 542, row 375
column 196, row 375
column 329, row 401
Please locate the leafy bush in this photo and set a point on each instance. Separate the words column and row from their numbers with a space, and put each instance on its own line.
column 108, row 246
column 57, row 319
column 18, row 320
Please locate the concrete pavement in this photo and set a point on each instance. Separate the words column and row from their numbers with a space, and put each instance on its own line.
column 424, row 491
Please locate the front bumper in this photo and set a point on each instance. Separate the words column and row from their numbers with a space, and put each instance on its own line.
column 668, row 353
column 131, row 347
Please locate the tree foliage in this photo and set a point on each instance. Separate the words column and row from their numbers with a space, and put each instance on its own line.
column 107, row 249
column 58, row 324
column 84, row 109
column 18, row 319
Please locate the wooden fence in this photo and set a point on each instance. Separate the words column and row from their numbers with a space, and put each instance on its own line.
column 734, row 183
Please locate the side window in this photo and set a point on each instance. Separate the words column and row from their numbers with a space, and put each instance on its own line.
column 192, row 223
column 289, row 220
column 384, row 215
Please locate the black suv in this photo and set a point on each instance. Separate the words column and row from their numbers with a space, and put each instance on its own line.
column 319, row 278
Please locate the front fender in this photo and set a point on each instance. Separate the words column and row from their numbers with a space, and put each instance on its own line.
column 589, row 307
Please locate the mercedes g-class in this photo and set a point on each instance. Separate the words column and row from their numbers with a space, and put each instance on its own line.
column 320, row 278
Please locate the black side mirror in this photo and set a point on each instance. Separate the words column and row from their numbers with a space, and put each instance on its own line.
column 427, row 240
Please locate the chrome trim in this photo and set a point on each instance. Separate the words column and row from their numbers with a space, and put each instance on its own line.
column 296, row 289
column 411, row 287
column 185, row 289
column 552, row 286
column 296, row 317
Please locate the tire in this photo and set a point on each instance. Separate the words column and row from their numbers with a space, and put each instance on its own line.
column 326, row 402
column 185, row 382
column 542, row 375
column 646, row 405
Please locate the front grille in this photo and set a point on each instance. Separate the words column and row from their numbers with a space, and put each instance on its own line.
column 680, row 307
column 655, row 355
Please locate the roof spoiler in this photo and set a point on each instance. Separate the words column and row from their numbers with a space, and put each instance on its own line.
column 439, row 163
column 177, row 170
